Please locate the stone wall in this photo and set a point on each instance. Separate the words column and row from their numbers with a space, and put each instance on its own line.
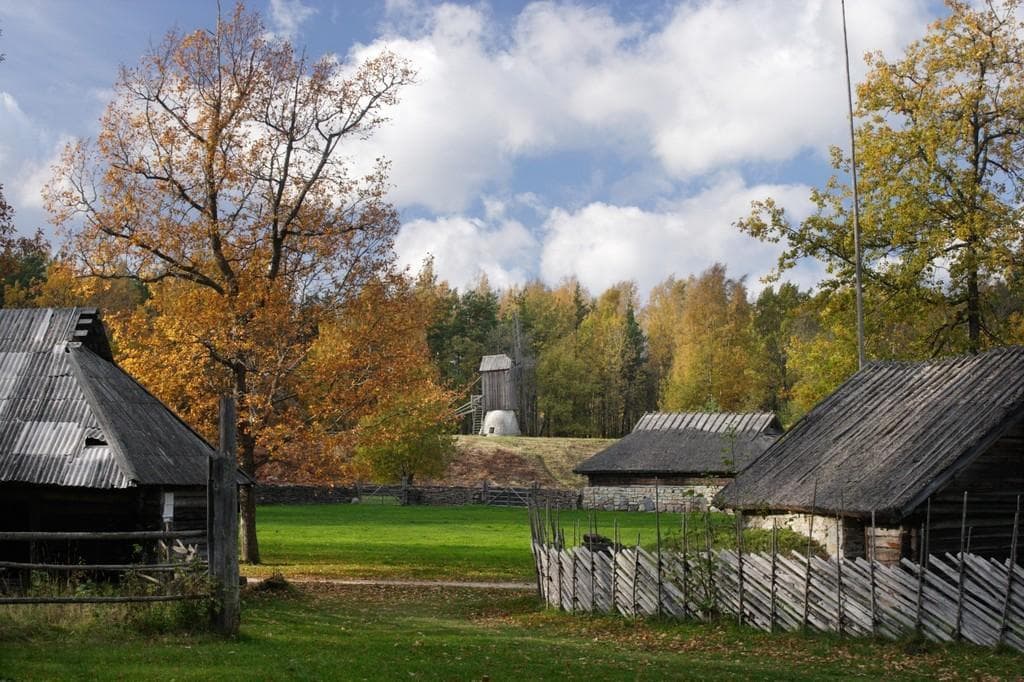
column 671, row 498
column 425, row 495
column 303, row 494
column 827, row 531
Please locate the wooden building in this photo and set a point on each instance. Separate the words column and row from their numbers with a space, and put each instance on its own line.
column 500, row 398
column 498, row 384
column 905, row 441
column 83, row 446
column 689, row 456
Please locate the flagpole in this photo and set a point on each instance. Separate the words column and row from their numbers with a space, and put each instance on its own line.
column 856, row 202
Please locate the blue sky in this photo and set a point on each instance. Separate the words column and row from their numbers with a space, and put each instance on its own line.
column 606, row 141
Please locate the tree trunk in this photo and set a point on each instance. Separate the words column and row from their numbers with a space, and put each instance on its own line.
column 973, row 309
column 250, row 548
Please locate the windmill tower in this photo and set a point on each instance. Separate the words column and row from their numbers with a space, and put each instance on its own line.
column 497, row 379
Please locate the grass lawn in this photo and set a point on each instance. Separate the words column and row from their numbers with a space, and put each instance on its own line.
column 453, row 634
column 384, row 541
column 445, row 543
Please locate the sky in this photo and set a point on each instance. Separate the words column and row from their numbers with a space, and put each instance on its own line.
column 608, row 141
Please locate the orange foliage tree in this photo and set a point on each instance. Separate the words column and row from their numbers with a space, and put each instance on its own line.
column 217, row 178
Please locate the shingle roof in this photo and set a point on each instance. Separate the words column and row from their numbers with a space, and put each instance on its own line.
column 887, row 438
column 69, row 416
column 687, row 443
column 494, row 363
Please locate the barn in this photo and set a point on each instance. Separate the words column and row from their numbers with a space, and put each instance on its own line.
column 905, row 441
column 83, row 446
column 688, row 456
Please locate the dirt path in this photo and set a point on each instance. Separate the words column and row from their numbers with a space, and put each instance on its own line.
column 473, row 585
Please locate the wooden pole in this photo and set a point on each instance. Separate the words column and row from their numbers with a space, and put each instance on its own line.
column 775, row 552
column 686, row 567
column 590, row 549
column 1011, row 564
column 222, row 523
column 636, row 572
column 712, row 588
column 810, row 539
column 871, row 575
column 657, row 528
column 739, row 557
column 615, row 565
column 920, row 578
column 840, row 550
column 963, row 570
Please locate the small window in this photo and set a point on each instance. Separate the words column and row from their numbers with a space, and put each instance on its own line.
column 91, row 442
column 168, row 507
column 490, row 430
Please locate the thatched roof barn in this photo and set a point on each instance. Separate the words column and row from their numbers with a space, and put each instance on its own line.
column 83, row 446
column 893, row 437
column 697, row 452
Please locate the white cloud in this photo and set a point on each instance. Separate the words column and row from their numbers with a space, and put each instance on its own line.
column 716, row 85
column 464, row 248
column 28, row 150
column 288, row 16
column 602, row 244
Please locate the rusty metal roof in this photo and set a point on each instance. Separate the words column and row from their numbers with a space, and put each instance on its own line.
column 69, row 416
column 887, row 438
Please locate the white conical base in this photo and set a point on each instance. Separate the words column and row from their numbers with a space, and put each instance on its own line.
column 500, row 423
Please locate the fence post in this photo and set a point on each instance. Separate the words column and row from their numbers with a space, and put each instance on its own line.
column 775, row 551
column 636, row 572
column 590, row 551
column 739, row 559
column 222, row 524
column 615, row 565
column 657, row 525
column 840, row 551
column 962, row 571
column 686, row 568
column 1011, row 564
column 810, row 539
column 871, row 574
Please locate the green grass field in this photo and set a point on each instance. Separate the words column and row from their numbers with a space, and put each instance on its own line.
column 324, row 631
column 364, row 633
column 383, row 541
column 444, row 543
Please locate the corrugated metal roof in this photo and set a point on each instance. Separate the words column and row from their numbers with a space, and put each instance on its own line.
column 494, row 363
column 885, row 438
column 69, row 416
column 712, row 422
column 687, row 443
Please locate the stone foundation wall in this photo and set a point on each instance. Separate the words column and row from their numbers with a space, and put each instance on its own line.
column 671, row 498
column 824, row 531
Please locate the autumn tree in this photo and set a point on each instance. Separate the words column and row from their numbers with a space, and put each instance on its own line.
column 661, row 318
column 712, row 363
column 941, row 171
column 23, row 260
column 219, row 173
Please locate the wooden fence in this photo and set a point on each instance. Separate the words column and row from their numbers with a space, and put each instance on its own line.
column 954, row 597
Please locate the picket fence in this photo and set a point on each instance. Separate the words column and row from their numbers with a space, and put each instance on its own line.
column 954, row 597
